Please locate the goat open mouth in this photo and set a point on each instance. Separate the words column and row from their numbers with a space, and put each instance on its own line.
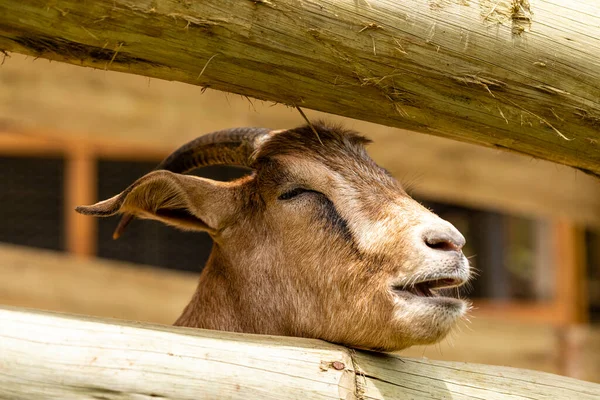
column 427, row 288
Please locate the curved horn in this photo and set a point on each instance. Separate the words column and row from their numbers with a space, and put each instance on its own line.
column 227, row 147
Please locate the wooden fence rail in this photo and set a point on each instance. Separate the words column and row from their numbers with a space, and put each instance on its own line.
column 514, row 74
column 57, row 356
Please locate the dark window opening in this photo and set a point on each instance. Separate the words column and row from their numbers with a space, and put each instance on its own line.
column 592, row 244
column 31, row 202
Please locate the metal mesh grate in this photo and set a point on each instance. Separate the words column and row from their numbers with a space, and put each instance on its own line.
column 592, row 241
column 31, row 202
column 150, row 242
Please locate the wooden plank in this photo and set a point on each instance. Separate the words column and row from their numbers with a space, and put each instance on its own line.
column 500, row 341
column 582, row 344
column 80, row 188
column 519, row 311
column 91, row 358
column 30, row 145
column 519, row 78
column 47, row 142
column 571, row 291
column 60, row 282
column 67, row 357
column 394, row 378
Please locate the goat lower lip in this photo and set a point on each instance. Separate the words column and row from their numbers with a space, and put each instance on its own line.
column 426, row 288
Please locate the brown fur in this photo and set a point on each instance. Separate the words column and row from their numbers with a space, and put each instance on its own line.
column 319, row 265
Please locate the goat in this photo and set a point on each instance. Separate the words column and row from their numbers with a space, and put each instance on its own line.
column 318, row 241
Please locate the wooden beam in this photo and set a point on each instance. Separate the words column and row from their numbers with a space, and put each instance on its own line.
column 43, row 143
column 582, row 348
column 571, row 290
column 571, row 301
column 80, row 188
column 502, row 341
column 542, row 312
column 61, row 282
column 30, row 145
column 63, row 356
column 514, row 75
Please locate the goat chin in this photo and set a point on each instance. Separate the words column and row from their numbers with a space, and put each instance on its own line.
column 318, row 241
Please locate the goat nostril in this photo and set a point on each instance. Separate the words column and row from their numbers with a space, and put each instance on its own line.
column 443, row 245
column 444, row 240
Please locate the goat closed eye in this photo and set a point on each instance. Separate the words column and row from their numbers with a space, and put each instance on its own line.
column 290, row 194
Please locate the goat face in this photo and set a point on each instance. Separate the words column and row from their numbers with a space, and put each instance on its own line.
column 318, row 242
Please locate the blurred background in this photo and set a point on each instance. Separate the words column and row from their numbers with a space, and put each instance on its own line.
column 72, row 136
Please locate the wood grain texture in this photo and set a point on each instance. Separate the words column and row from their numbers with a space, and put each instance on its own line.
column 583, row 352
column 512, row 74
column 571, row 273
column 503, row 342
column 81, row 181
column 60, row 282
column 56, row 356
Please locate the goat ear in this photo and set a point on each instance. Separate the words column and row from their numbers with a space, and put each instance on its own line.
column 184, row 201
